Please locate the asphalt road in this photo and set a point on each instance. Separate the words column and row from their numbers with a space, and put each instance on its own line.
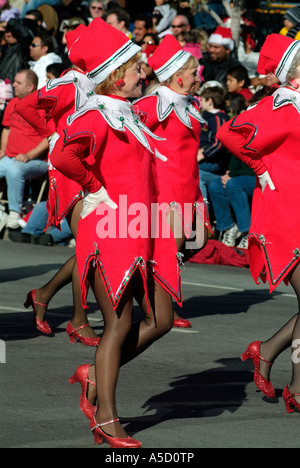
column 190, row 390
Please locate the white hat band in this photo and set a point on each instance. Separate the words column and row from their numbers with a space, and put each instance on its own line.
column 121, row 56
column 172, row 65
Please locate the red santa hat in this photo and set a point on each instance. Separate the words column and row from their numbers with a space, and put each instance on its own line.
column 276, row 55
column 168, row 58
column 73, row 35
column 100, row 49
column 222, row 36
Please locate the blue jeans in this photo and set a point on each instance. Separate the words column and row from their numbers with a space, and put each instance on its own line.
column 16, row 173
column 234, row 196
column 37, row 223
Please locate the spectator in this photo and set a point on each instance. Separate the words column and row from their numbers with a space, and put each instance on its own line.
column 231, row 194
column 54, row 70
column 220, row 58
column 42, row 54
column 22, row 150
column 96, row 9
column 163, row 15
column 212, row 155
column 37, row 16
column 238, row 82
column 15, row 51
column 180, row 24
column 34, row 233
column 119, row 19
column 246, row 53
column 291, row 22
column 142, row 25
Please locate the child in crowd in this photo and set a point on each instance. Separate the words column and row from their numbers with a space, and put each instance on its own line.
column 212, row 155
column 238, row 81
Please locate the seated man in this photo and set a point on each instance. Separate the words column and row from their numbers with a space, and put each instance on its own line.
column 23, row 153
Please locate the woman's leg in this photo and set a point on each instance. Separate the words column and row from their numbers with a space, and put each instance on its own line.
column 122, row 341
column 283, row 339
column 192, row 246
column 67, row 273
column 79, row 317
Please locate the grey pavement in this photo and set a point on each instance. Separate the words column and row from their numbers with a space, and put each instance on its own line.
column 190, row 390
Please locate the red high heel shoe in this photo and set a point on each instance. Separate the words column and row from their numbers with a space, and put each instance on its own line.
column 41, row 325
column 74, row 336
column 182, row 323
column 81, row 375
column 113, row 442
column 290, row 402
column 262, row 384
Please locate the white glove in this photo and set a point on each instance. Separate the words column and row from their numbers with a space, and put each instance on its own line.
column 264, row 180
column 52, row 139
column 92, row 200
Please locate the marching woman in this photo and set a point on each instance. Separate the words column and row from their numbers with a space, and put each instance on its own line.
column 267, row 138
column 60, row 98
column 122, row 250
column 173, row 114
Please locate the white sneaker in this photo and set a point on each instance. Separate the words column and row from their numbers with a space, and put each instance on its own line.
column 243, row 244
column 3, row 219
column 13, row 220
column 230, row 236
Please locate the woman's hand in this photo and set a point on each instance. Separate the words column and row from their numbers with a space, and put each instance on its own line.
column 92, row 200
column 264, row 180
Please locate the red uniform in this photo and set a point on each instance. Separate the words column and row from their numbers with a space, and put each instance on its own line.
column 266, row 137
column 60, row 98
column 176, row 119
column 119, row 241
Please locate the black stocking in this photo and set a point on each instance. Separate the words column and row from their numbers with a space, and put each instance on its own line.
column 283, row 339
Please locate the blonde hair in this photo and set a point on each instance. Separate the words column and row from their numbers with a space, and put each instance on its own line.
column 191, row 62
column 108, row 85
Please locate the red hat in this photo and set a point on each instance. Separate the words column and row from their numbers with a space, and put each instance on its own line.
column 222, row 36
column 73, row 35
column 168, row 58
column 101, row 49
column 276, row 55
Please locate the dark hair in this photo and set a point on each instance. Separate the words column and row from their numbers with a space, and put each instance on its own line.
column 121, row 14
column 153, row 36
column 37, row 15
column 237, row 102
column 47, row 41
column 240, row 74
column 217, row 94
column 146, row 18
column 55, row 69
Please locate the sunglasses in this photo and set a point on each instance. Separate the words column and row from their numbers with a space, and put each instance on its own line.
column 178, row 25
column 148, row 42
column 33, row 44
column 96, row 8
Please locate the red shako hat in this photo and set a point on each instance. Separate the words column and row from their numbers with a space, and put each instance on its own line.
column 276, row 55
column 167, row 58
column 222, row 36
column 101, row 49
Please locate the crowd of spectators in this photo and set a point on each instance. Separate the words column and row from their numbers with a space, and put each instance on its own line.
column 32, row 38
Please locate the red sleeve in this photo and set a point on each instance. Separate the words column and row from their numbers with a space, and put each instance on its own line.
column 69, row 160
column 29, row 107
column 236, row 139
